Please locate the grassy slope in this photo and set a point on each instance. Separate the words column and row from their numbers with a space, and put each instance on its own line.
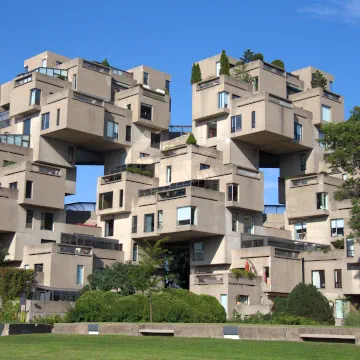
column 111, row 347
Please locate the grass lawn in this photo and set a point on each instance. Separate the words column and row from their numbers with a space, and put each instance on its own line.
column 108, row 347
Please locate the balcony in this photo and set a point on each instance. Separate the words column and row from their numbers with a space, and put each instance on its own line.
column 18, row 140
column 56, row 73
column 122, row 72
column 274, row 69
column 5, row 120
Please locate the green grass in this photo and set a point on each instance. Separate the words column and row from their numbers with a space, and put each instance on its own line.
column 109, row 347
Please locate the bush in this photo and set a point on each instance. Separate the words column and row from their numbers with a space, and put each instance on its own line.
column 239, row 273
column 258, row 56
column 191, row 140
column 278, row 63
column 279, row 306
column 139, row 171
column 352, row 318
column 170, row 305
column 48, row 319
column 306, row 301
column 338, row 244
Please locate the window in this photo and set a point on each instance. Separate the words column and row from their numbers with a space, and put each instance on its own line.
column 134, row 224
column 186, row 216
column 149, row 223
column 128, row 106
column 297, row 132
column 26, row 126
column 167, row 85
column 45, row 241
column 146, row 78
column 236, row 123
column 8, row 163
column 155, row 140
column 57, row 117
column 168, row 174
column 337, row 227
column 26, row 267
column 112, row 130
column 256, row 83
column 29, row 219
column 71, row 154
column 26, row 69
column 58, row 63
column 303, row 162
column 325, row 113
column 243, row 299
column 13, row 185
column 331, row 85
column 223, row 100
column 160, row 219
column 109, row 227
column 106, row 200
column 233, row 97
column 74, row 81
column 350, row 248
column 322, row 201
column 28, row 189
column 80, row 275
column 198, row 251
column 234, row 222
column 39, row 267
column 35, row 96
column 344, row 176
column 318, row 279
column 338, row 278
column 232, row 192
column 128, row 133
column 300, row 231
column 146, row 112
column 321, row 136
column 45, row 121
column 212, row 129
column 248, row 225
column 121, row 200
column 218, row 68
column 134, row 252
column 204, row 166
column 169, row 105
column 47, row 221
column 253, row 119
column 142, row 155
column 43, row 64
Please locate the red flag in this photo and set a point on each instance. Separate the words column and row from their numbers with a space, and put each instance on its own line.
column 247, row 266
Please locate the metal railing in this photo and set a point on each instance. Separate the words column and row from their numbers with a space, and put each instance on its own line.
column 121, row 168
column 56, row 73
column 23, row 80
column 208, row 279
column 206, row 184
column 274, row 69
column 90, row 241
column 208, row 83
column 96, row 67
column 274, row 209
column 88, row 99
column 46, row 170
column 331, row 95
column 19, row 140
column 122, row 72
column 73, row 250
column 5, row 123
column 5, row 115
column 292, row 75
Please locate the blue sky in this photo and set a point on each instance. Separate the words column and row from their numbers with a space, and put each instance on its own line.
column 170, row 37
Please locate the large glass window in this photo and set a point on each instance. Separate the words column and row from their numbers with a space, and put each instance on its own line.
column 134, row 225
column 256, row 83
column 223, row 100
column 109, row 227
column 232, row 192
column 337, row 227
column 45, row 121
column 13, row 185
column 35, row 96
column 29, row 219
column 26, row 127
column 168, row 174
column 186, row 216
column 218, row 68
column 350, row 248
column 28, row 189
column 74, row 81
column 300, row 231
column 212, row 129
column 338, row 278
column 135, row 252
column 112, row 130
column 146, row 78
column 160, row 219
column 58, row 117
column 167, row 85
column 155, row 140
column 47, row 221
column 80, row 275
column 121, row 200
column 198, row 251
column 321, row 137
column 248, row 225
column 146, row 112
column 325, row 113
column 204, row 166
column 106, row 200
column 149, row 223
column 322, row 201
column 303, row 162
column 298, row 132
column 128, row 133
column 318, row 279
column 236, row 123
column 253, row 119
column 234, row 222
column 39, row 267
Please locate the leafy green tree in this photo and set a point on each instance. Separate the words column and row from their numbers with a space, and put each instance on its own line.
column 150, row 275
column 343, row 141
column 3, row 254
column 116, row 277
column 279, row 63
column 195, row 74
column 247, row 56
column 224, row 64
column 191, row 140
column 241, row 73
column 105, row 62
column 318, row 80
column 257, row 56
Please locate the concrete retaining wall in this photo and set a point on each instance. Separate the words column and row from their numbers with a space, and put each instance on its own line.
column 21, row 329
column 248, row 332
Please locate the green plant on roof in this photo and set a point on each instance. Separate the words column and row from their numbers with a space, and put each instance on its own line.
column 191, row 140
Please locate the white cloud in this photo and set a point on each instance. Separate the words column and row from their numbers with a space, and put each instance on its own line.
column 338, row 10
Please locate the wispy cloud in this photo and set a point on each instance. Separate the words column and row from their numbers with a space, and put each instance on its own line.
column 337, row 10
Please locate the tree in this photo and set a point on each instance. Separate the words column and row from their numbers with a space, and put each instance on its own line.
column 343, row 141
column 278, row 63
column 195, row 74
column 247, row 56
column 241, row 73
column 258, row 56
column 105, row 62
column 116, row 277
column 151, row 270
column 3, row 254
column 318, row 80
column 224, row 64
column 191, row 140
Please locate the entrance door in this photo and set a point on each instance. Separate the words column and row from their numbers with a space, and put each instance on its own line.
column 224, row 301
column 339, row 307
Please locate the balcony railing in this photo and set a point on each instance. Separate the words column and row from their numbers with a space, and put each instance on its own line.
column 23, row 80
column 209, row 83
column 122, row 168
column 19, row 140
column 5, row 115
column 74, row 250
column 122, row 72
column 274, row 209
column 206, row 184
column 331, row 95
column 304, row 181
column 274, row 69
column 46, row 170
column 292, row 75
column 5, row 123
column 279, row 101
column 90, row 241
column 88, row 99
column 56, row 73
column 96, row 67
column 208, row 279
